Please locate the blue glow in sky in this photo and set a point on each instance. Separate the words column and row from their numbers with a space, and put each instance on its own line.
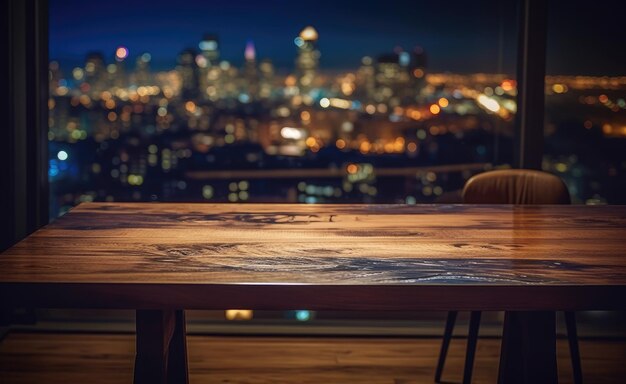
column 459, row 36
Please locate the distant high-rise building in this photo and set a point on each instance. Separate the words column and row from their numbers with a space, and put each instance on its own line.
column 142, row 69
column 95, row 72
column 208, row 65
column 189, row 74
column 251, row 77
column 118, row 74
column 250, row 52
column 365, row 79
column 54, row 75
column 209, row 47
column 418, row 67
column 388, row 68
column 266, row 68
column 307, row 61
column 392, row 77
column 117, row 71
column 420, row 60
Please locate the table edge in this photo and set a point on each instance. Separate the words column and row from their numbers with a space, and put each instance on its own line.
column 313, row 297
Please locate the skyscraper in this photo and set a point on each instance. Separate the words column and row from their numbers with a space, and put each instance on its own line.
column 251, row 77
column 95, row 72
column 392, row 77
column 365, row 79
column 142, row 69
column 418, row 67
column 209, row 46
column 188, row 70
column 266, row 69
column 208, row 62
column 119, row 75
column 307, row 61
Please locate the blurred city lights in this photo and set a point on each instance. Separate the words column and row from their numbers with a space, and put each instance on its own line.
column 207, row 45
column 121, row 53
column 239, row 314
column 207, row 192
column 291, row 133
column 250, row 52
column 174, row 133
column 303, row 315
column 339, row 103
column 489, row 103
column 309, row 34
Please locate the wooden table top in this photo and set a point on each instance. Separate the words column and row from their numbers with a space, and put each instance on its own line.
column 282, row 256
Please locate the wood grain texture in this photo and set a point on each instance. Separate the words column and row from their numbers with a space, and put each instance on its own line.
column 108, row 358
column 170, row 255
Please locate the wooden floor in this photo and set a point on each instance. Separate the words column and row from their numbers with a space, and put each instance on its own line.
column 108, row 358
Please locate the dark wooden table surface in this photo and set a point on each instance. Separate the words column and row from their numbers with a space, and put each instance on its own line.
column 163, row 258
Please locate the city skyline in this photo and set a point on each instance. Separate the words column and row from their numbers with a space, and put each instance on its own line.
column 348, row 31
column 460, row 38
column 237, row 58
column 249, row 47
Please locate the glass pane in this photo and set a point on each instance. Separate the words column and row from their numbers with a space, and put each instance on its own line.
column 271, row 101
column 585, row 127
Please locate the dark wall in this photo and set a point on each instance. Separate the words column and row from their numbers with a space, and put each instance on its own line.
column 23, row 133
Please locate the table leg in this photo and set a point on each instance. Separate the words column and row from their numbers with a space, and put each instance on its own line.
column 528, row 353
column 161, row 356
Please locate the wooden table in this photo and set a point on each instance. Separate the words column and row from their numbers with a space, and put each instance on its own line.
column 163, row 258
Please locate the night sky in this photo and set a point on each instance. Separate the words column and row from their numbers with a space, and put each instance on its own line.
column 458, row 36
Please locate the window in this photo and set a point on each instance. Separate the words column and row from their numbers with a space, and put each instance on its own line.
column 585, row 129
column 255, row 102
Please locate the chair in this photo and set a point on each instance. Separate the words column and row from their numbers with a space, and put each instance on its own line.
column 511, row 186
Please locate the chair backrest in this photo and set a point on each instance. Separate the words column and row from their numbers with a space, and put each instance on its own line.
column 515, row 186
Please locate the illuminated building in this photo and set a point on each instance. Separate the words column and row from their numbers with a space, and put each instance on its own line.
column 392, row 78
column 250, row 52
column 418, row 67
column 266, row 68
column 58, row 117
column 189, row 74
column 209, row 46
column 307, row 61
column 365, row 79
column 54, row 76
column 142, row 69
column 95, row 72
column 118, row 71
column 208, row 65
column 250, row 73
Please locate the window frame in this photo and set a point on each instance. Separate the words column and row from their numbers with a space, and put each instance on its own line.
column 24, row 150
